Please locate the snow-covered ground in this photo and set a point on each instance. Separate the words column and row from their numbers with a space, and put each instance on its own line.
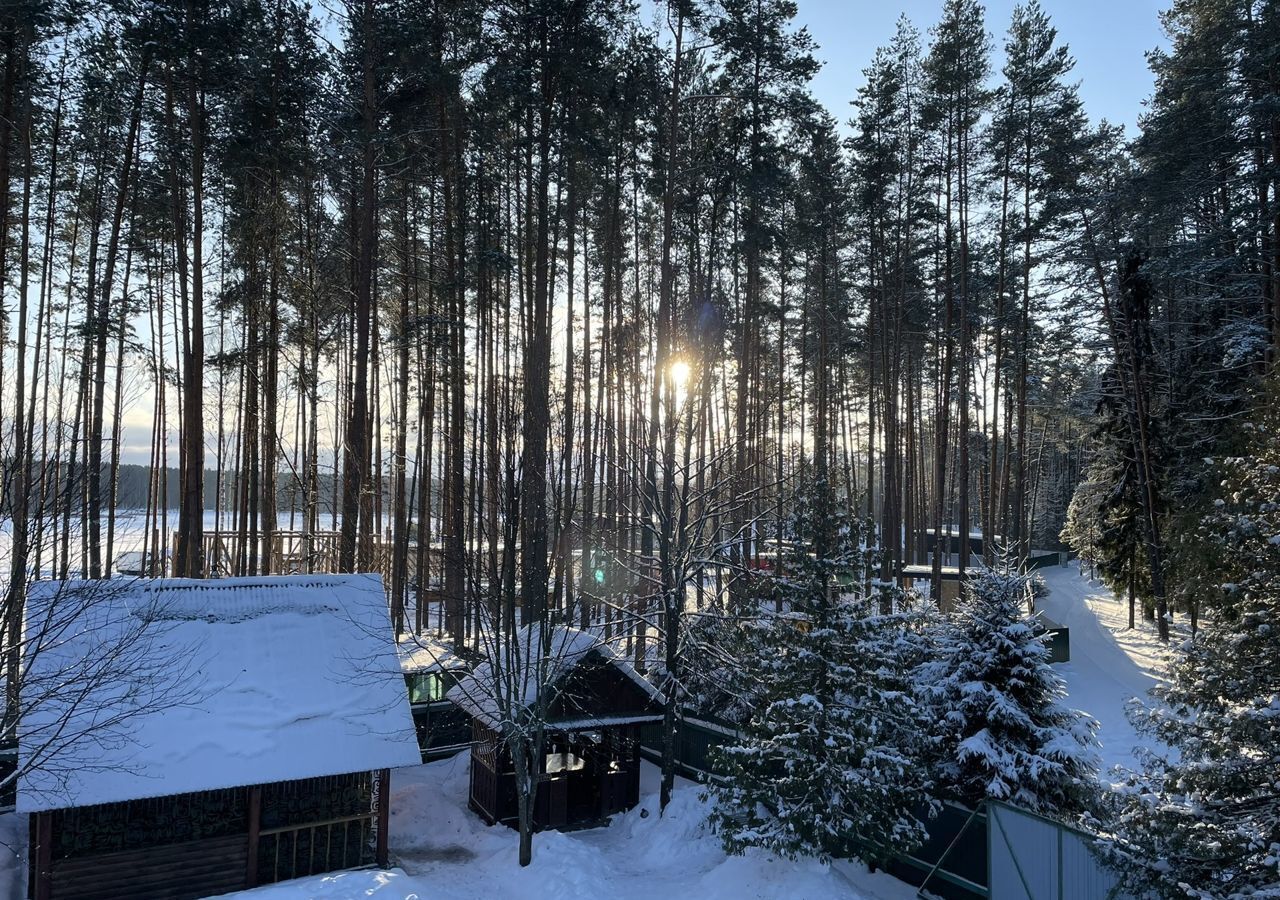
column 443, row 851
column 1109, row 662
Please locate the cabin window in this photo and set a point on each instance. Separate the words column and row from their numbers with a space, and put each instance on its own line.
column 564, row 762
column 427, row 687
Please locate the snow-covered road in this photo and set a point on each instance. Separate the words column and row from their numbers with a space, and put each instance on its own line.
column 1109, row 663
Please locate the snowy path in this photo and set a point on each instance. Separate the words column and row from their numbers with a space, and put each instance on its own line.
column 1109, row 663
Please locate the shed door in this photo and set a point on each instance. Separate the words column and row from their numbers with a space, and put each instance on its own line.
column 558, row 802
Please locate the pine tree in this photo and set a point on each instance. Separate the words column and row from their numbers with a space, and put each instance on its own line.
column 828, row 763
column 765, row 62
column 955, row 98
column 1203, row 820
column 1001, row 729
column 1205, row 204
column 891, row 217
column 1033, row 143
column 1105, row 520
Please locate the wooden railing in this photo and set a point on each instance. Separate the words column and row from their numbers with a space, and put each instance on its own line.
column 228, row 553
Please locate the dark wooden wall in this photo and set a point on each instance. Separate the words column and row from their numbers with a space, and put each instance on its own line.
column 197, row 845
column 185, row 871
column 595, row 688
column 564, row 800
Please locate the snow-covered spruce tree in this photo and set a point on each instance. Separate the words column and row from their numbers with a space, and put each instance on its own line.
column 719, row 657
column 1204, row 819
column 829, row 762
column 1000, row 729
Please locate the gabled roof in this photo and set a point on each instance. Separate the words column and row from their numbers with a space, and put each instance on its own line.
column 237, row 681
column 420, row 654
column 538, row 658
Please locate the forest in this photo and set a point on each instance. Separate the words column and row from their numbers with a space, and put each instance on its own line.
column 588, row 309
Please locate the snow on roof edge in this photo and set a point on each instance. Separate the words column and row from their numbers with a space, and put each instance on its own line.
column 569, row 646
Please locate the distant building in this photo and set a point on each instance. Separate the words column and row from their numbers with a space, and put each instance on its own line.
column 255, row 746
column 430, row 669
column 595, row 703
column 949, row 589
column 952, row 542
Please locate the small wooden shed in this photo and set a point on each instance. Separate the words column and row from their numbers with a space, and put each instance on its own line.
column 595, row 704
column 255, row 746
column 950, row 587
column 1057, row 638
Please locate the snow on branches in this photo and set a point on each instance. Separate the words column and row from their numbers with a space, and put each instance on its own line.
column 1204, row 819
column 1000, row 729
column 827, row 765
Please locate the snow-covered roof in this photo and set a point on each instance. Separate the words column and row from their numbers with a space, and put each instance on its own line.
column 953, row 531
column 924, row 570
column 420, row 654
column 519, row 679
column 238, row 681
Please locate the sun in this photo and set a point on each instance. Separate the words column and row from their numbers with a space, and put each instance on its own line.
column 679, row 373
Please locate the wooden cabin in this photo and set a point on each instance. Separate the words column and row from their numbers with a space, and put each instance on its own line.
column 595, row 704
column 922, row 576
column 140, row 562
column 430, row 669
column 255, row 747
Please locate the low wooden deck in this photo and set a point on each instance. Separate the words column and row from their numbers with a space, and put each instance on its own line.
column 287, row 552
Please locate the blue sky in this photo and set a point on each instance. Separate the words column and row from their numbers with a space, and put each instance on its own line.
column 1109, row 39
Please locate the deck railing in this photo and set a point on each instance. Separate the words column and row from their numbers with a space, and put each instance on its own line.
column 290, row 552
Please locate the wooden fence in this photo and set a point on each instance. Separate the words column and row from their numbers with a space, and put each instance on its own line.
column 996, row 851
column 228, row 553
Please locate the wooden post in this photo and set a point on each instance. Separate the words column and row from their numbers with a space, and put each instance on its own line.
column 607, row 752
column 255, row 826
column 41, row 876
column 384, row 815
